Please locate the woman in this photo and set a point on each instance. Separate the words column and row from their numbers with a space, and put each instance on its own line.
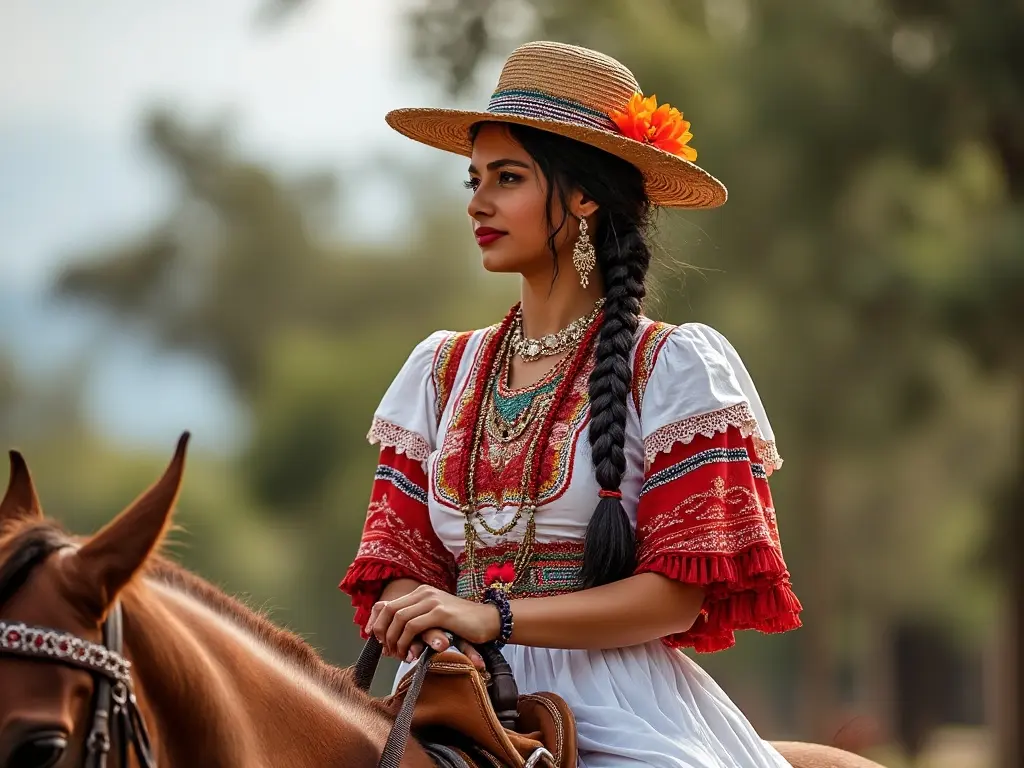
column 578, row 481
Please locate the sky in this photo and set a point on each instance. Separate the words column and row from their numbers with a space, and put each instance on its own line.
column 75, row 79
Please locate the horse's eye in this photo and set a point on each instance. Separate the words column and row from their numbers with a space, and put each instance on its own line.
column 40, row 750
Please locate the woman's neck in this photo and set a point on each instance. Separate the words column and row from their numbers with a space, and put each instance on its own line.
column 548, row 308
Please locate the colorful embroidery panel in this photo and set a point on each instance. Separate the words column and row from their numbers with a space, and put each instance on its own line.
column 706, row 518
column 554, row 569
column 500, row 469
column 398, row 540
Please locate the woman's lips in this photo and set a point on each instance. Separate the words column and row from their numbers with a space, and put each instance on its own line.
column 486, row 235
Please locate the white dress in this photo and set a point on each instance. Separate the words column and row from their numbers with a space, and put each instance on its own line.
column 699, row 449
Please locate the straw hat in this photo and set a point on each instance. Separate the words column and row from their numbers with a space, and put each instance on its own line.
column 587, row 96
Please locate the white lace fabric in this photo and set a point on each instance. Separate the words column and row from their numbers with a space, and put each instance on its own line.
column 708, row 425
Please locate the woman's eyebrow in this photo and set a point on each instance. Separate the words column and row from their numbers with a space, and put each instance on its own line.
column 496, row 164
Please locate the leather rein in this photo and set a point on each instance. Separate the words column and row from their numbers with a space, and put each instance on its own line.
column 116, row 720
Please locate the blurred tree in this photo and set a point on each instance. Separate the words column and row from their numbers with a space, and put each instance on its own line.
column 8, row 392
column 240, row 260
column 247, row 271
column 238, row 270
column 83, row 481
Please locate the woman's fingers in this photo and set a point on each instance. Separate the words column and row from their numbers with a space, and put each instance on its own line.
column 437, row 639
column 473, row 655
column 374, row 613
column 415, row 651
column 416, row 626
column 399, row 636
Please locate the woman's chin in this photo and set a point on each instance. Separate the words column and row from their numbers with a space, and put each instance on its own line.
column 501, row 262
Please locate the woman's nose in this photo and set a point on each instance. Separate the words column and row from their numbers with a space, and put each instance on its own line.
column 480, row 206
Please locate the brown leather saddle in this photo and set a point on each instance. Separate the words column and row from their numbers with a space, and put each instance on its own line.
column 468, row 719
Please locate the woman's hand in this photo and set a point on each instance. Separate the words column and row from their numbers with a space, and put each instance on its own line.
column 427, row 612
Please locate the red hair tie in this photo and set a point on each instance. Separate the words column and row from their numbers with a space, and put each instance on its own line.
column 609, row 494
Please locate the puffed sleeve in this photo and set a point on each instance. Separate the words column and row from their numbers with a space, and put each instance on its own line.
column 398, row 540
column 705, row 515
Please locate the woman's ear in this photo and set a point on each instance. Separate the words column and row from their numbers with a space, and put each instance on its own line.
column 582, row 206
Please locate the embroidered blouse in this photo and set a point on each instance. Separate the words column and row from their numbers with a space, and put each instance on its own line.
column 699, row 451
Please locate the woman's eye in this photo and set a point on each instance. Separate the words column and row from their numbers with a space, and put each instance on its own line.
column 505, row 177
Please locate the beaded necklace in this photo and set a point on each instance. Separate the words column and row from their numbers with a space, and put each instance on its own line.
column 505, row 577
column 509, row 412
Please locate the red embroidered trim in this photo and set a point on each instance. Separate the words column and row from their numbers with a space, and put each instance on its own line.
column 652, row 339
column 706, row 519
column 398, row 539
column 445, row 368
column 771, row 611
column 364, row 581
column 450, row 465
column 579, row 359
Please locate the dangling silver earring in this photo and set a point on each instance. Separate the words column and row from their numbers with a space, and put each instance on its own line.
column 584, row 257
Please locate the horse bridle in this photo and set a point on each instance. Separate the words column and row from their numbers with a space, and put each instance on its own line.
column 116, row 719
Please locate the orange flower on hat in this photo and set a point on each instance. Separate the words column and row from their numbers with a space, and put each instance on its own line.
column 663, row 127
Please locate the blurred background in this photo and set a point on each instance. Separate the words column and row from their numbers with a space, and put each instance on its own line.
column 205, row 224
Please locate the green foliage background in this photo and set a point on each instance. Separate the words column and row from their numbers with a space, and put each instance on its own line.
column 867, row 266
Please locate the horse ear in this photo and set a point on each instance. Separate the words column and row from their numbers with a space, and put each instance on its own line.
column 21, row 499
column 109, row 560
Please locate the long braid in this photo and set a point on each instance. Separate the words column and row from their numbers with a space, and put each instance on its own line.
column 610, row 548
column 623, row 257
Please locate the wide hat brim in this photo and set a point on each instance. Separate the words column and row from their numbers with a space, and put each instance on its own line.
column 671, row 181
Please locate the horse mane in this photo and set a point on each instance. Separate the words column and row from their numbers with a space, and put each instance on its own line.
column 288, row 644
column 38, row 539
column 27, row 545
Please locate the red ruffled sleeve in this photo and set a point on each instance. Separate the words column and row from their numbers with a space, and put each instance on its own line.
column 398, row 540
column 705, row 517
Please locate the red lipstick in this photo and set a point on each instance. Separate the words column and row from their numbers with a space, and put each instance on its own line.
column 487, row 235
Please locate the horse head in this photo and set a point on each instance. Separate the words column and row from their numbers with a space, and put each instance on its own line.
column 57, row 596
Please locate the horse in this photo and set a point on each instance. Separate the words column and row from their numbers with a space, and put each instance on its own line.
column 112, row 654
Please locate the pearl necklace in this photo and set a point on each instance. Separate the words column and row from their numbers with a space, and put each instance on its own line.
column 553, row 343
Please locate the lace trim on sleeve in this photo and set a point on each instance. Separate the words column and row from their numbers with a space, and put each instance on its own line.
column 710, row 424
column 390, row 435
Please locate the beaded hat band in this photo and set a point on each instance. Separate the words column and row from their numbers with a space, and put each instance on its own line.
column 587, row 96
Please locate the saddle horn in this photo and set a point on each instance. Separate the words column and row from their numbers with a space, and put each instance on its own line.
column 502, row 686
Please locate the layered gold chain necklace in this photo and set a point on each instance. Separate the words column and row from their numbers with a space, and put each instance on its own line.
column 510, row 412
column 543, row 403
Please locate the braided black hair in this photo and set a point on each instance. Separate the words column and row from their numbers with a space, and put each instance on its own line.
column 623, row 258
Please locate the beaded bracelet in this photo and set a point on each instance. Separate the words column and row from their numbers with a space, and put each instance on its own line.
column 499, row 600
